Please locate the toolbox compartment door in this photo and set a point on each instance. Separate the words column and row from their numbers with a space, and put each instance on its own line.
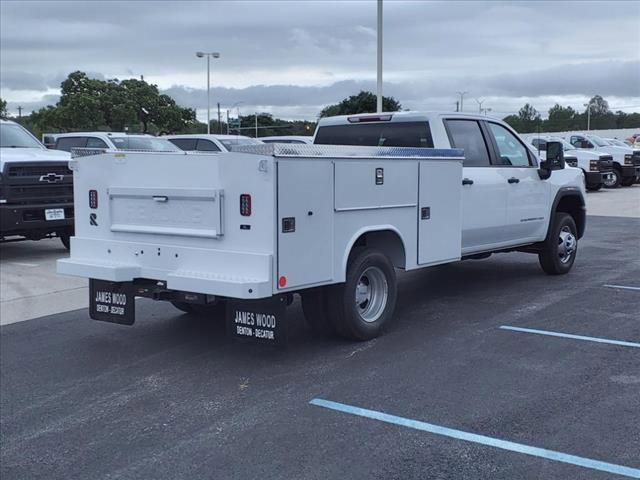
column 305, row 222
column 439, row 212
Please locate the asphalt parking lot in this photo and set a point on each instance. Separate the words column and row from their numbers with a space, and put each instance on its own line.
column 445, row 394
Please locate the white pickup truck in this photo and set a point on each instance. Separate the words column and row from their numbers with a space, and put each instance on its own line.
column 247, row 229
column 596, row 166
column 626, row 160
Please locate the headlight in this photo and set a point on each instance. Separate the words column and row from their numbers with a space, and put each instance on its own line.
column 593, row 166
column 628, row 160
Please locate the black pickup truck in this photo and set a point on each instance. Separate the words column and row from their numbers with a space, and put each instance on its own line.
column 36, row 188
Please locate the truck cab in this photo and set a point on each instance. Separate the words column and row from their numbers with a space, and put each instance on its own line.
column 36, row 188
column 506, row 202
column 626, row 160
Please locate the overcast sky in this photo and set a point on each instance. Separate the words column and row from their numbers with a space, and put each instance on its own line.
column 291, row 58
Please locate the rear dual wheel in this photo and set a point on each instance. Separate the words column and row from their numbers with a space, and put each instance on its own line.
column 360, row 308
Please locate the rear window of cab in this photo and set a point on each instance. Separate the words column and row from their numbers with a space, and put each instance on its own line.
column 398, row 134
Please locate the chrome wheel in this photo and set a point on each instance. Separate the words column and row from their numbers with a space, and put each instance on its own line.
column 371, row 294
column 611, row 180
column 567, row 244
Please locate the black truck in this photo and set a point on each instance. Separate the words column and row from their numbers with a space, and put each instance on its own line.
column 36, row 188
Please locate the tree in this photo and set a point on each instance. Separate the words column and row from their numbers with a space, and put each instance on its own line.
column 3, row 108
column 91, row 104
column 528, row 119
column 561, row 119
column 363, row 102
column 601, row 116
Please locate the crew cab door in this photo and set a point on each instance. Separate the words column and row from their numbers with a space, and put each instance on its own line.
column 484, row 191
column 527, row 195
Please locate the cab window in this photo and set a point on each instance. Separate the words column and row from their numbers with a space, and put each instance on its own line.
column 187, row 144
column 95, row 142
column 206, row 146
column 466, row 134
column 67, row 143
column 377, row 134
column 509, row 150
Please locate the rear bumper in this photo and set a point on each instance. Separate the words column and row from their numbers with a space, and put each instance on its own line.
column 213, row 272
column 28, row 220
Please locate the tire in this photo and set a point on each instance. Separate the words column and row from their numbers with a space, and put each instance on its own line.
column 316, row 313
column 594, row 188
column 560, row 247
column 627, row 182
column 363, row 305
column 65, row 238
column 184, row 306
column 616, row 179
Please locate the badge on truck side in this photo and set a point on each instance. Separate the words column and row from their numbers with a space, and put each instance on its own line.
column 258, row 321
column 112, row 302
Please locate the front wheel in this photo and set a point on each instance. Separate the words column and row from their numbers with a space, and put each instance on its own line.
column 614, row 179
column 363, row 305
column 561, row 245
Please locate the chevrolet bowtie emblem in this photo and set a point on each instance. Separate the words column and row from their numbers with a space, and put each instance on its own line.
column 51, row 178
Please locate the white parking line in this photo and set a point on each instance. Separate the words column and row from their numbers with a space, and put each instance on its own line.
column 20, row 264
column 622, row 287
column 481, row 439
column 573, row 337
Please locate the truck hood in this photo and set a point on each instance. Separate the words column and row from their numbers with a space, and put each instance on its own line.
column 11, row 155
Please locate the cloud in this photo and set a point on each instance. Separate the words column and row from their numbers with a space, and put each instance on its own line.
column 295, row 57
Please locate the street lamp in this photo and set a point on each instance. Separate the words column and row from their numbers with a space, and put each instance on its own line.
column 588, row 105
column 480, row 102
column 462, row 94
column 209, row 56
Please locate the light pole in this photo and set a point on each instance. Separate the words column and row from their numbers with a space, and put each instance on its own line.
column 462, row 94
column 379, row 92
column 209, row 56
column 480, row 102
column 237, row 106
column 588, row 105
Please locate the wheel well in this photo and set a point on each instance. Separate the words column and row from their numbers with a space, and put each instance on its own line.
column 574, row 206
column 386, row 241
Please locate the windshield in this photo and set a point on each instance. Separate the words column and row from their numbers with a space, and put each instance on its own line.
column 598, row 141
column 14, row 136
column 231, row 142
column 144, row 143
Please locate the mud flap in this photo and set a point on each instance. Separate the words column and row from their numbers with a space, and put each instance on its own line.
column 258, row 321
column 112, row 302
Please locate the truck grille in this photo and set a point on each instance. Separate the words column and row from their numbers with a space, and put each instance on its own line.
column 636, row 157
column 37, row 183
column 37, row 170
column 605, row 163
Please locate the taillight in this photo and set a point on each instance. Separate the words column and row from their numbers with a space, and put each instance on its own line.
column 245, row 205
column 93, row 198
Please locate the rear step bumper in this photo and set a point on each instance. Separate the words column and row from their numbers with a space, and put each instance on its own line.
column 213, row 272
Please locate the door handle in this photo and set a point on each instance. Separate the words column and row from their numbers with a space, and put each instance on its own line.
column 467, row 181
column 513, row 180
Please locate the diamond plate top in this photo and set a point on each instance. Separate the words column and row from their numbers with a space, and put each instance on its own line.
column 346, row 151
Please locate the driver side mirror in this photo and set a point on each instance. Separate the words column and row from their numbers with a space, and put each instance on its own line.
column 554, row 160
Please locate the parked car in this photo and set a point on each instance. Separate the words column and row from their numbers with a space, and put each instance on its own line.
column 288, row 139
column 112, row 141
column 209, row 142
column 626, row 160
column 252, row 228
column 36, row 188
column 596, row 166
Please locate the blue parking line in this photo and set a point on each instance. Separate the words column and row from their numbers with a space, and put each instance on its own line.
column 481, row 439
column 574, row 337
column 623, row 287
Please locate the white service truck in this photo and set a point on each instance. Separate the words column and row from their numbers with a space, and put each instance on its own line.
column 248, row 229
